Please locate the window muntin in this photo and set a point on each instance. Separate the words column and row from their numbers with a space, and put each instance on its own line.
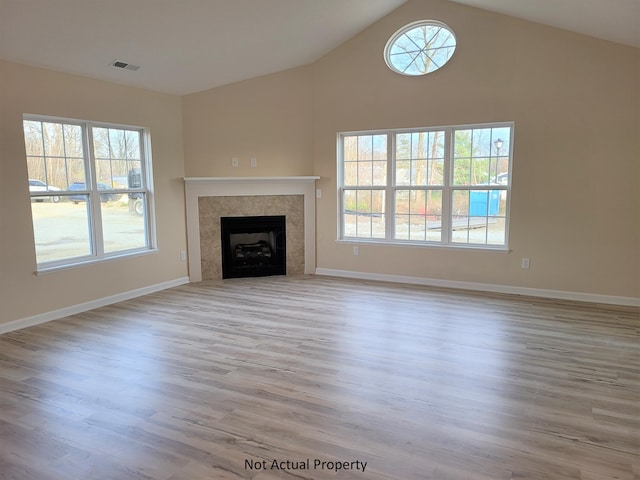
column 116, row 152
column 441, row 186
column 476, row 158
column 55, row 153
column 365, row 160
column 419, row 158
column 419, row 48
column 363, row 213
column 418, row 215
column 102, row 193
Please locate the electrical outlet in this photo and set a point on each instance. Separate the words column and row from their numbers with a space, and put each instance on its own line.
column 254, row 162
column 318, row 193
column 183, row 255
column 235, row 162
column 356, row 251
column 525, row 262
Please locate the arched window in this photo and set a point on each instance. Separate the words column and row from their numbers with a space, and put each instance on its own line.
column 419, row 48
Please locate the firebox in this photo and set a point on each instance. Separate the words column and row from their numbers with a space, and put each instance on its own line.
column 253, row 246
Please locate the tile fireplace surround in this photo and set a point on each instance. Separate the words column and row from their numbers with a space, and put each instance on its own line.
column 291, row 196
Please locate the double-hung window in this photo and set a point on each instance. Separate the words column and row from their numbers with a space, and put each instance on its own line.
column 90, row 187
column 432, row 186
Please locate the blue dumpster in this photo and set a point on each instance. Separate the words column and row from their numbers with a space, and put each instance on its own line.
column 484, row 202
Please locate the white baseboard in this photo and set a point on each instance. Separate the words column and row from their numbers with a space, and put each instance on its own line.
column 485, row 287
column 83, row 307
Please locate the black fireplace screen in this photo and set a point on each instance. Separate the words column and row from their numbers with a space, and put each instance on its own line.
column 253, row 246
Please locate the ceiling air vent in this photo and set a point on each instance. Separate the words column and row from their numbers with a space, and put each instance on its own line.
column 125, row 65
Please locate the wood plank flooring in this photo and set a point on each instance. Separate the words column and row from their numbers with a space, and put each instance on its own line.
column 267, row 378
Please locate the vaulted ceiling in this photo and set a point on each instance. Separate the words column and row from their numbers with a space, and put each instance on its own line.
column 191, row 45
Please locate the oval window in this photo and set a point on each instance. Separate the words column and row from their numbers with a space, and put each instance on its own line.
column 420, row 48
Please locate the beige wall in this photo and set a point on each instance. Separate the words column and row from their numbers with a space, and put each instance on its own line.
column 267, row 118
column 574, row 101
column 36, row 91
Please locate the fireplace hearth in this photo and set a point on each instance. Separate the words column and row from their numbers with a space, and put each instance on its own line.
column 253, row 246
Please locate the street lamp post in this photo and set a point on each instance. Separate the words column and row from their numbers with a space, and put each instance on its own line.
column 498, row 144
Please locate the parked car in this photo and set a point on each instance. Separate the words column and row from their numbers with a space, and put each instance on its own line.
column 40, row 186
column 104, row 197
column 134, row 180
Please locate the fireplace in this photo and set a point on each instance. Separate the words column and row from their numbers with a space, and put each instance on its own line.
column 210, row 198
column 253, row 246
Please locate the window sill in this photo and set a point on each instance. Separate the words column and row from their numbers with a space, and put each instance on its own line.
column 462, row 247
column 44, row 270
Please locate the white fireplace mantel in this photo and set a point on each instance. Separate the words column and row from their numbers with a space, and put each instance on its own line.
column 196, row 187
column 238, row 180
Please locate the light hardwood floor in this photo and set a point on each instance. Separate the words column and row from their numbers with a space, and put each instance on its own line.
column 217, row 380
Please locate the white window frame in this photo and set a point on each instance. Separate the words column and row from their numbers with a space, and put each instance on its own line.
column 94, row 210
column 448, row 188
column 421, row 51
